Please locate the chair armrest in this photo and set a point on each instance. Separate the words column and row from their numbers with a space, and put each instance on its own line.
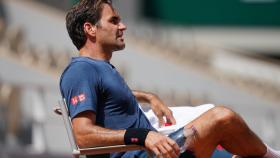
column 109, row 149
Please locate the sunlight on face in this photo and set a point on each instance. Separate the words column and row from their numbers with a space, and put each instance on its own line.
column 110, row 29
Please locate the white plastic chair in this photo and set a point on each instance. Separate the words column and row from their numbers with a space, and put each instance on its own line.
column 76, row 151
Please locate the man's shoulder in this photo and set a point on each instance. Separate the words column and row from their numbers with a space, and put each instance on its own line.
column 79, row 67
column 77, row 70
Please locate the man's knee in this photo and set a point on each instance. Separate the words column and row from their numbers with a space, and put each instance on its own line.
column 224, row 116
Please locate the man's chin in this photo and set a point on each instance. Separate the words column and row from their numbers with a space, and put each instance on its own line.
column 120, row 47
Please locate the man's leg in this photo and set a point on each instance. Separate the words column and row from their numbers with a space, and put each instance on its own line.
column 221, row 125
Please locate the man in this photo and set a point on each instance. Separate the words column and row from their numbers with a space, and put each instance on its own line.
column 104, row 110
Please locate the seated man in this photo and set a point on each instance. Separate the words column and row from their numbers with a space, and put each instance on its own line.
column 105, row 111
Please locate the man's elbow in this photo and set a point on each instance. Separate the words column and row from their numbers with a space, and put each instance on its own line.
column 83, row 137
column 83, row 142
column 80, row 142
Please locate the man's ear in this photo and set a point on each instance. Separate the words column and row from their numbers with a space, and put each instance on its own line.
column 90, row 29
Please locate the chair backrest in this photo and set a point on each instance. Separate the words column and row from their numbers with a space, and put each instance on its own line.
column 68, row 126
column 76, row 151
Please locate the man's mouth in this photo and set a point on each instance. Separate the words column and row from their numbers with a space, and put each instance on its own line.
column 120, row 37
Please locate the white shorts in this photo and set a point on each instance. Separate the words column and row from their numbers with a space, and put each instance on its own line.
column 183, row 115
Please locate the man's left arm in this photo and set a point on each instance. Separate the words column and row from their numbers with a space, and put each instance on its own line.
column 157, row 105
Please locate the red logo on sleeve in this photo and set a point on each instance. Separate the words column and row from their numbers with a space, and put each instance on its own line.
column 82, row 97
column 79, row 98
column 74, row 100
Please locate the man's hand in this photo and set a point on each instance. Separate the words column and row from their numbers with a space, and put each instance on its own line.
column 161, row 110
column 157, row 105
column 161, row 145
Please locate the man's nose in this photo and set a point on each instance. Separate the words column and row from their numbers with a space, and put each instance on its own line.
column 122, row 26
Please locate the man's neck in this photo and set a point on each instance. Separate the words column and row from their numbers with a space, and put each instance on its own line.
column 95, row 53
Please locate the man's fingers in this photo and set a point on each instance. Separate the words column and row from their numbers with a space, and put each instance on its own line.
column 170, row 151
column 156, row 151
column 163, row 151
column 174, row 145
column 171, row 119
column 161, row 145
column 161, row 121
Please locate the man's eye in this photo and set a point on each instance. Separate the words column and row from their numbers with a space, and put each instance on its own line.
column 115, row 21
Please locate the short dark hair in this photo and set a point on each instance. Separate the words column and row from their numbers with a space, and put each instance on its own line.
column 84, row 11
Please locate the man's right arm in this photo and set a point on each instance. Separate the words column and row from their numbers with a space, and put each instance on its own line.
column 88, row 134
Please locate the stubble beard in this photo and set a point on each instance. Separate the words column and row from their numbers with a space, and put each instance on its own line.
column 120, row 44
column 119, row 47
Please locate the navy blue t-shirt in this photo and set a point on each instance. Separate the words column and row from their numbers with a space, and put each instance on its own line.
column 96, row 85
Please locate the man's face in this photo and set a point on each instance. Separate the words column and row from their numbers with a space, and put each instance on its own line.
column 110, row 30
